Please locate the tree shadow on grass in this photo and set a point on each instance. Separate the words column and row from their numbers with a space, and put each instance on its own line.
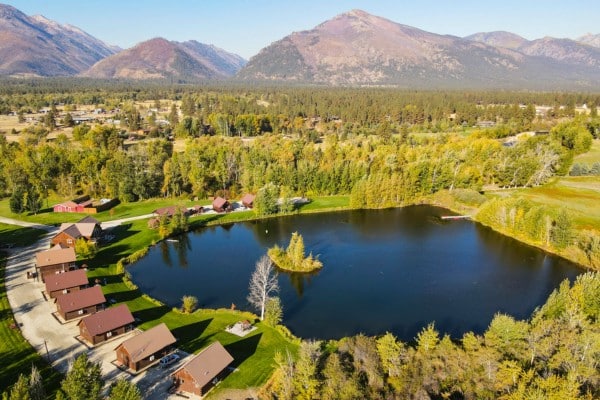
column 243, row 349
column 123, row 296
column 189, row 337
column 151, row 314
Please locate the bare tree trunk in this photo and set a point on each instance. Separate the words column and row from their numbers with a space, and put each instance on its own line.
column 263, row 283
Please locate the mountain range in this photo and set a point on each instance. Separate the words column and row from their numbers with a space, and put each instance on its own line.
column 356, row 48
column 159, row 58
column 353, row 48
column 36, row 46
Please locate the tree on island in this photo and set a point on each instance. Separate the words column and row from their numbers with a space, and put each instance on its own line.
column 292, row 258
column 263, row 283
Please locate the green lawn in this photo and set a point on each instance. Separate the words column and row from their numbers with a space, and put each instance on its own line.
column 16, row 354
column 591, row 156
column 578, row 194
column 326, row 203
column 253, row 354
column 13, row 235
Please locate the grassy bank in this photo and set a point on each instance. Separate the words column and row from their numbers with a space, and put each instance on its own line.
column 253, row 354
column 16, row 354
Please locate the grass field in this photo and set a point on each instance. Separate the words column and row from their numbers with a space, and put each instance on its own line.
column 580, row 195
column 17, row 236
column 16, row 354
column 591, row 156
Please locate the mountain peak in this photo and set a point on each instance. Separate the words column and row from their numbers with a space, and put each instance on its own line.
column 159, row 58
column 8, row 11
column 504, row 39
column 38, row 46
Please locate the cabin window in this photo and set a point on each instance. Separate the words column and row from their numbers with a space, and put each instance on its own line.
column 80, row 312
column 65, row 291
column 108, row 334
column 69, row 241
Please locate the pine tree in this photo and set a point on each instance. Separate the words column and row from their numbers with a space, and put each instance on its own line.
column 20, row 390
column 84, row 380
column 124, row 390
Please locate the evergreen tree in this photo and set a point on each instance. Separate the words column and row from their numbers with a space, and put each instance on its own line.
column 561, row 230
column 273, row 311
column 122, row 389
column 84, row 380
column 36, row 385
column 17, row 200
column 20, row 390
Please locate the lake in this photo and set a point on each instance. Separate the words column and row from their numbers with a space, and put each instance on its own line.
column 390, row 270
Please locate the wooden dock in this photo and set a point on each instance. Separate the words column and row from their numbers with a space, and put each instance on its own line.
column 451, row 217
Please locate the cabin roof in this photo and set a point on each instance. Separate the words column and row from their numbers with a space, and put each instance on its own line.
column 107, row 320
column 148, row 342
column 66, row 280
column 81, row 299
column 207, row 364
column 55, row 256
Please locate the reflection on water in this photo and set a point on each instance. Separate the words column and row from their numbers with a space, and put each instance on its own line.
column 386, row 270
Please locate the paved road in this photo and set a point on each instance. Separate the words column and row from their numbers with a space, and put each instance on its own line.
column 116, row 222
column 11, row 221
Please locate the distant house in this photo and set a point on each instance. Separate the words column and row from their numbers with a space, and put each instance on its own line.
column 146, row 348
column 197, row 209
column 55, row 261
column 75, row 205
column 106, row 324
column 170, row 211
column 203, row 371
column 80, row 303
column 71, row 281
column 221, row 205
column 248, row 200
column 87, row 228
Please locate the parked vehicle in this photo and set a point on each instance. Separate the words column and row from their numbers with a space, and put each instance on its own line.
column 168, row 360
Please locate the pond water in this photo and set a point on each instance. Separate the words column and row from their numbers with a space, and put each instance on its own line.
column 386, row 270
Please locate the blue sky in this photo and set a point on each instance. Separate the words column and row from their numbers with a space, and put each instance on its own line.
column 246, row 26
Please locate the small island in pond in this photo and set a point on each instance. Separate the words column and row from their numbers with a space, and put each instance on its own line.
column 292, row 258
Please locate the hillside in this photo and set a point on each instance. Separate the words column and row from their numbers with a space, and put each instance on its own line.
column 356, row 48
column 159, row 58
column 37, row 46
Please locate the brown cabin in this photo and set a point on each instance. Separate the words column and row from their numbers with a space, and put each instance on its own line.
column 55, row 261
column 203, row 371
column 67, row 282
column 146, row 348
column 80, row 303
column 248, row 200
column 221, row 205
column 170, row 211
column 87, row 228
column 106, row 324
